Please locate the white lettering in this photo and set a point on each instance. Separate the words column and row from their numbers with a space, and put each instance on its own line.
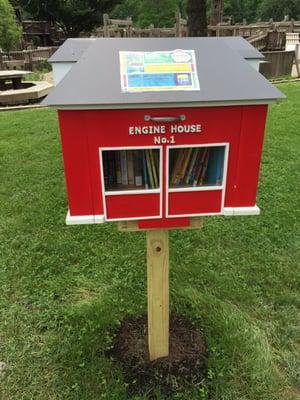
column 162, row 129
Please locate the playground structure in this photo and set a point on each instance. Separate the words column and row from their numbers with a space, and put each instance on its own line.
column 269, row 37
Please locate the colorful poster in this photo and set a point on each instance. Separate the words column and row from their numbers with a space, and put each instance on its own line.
column 158, row 71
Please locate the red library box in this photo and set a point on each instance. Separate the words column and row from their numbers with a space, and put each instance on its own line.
column 161, row 130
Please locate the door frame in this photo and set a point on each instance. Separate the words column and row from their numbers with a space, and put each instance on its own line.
column 131, row 192
column 200, row 188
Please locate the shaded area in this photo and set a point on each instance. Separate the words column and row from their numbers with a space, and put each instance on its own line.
column 186, row 363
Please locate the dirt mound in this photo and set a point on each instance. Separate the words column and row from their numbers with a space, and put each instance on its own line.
column 185, row 365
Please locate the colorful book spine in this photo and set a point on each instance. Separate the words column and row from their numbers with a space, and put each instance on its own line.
column 149, row 170
column 178, row 165
column 198, row 167
column 145, row 173
column 191, row 165
column 204, row 169
column 185, row 164
column 215, row 167
column 153, row 167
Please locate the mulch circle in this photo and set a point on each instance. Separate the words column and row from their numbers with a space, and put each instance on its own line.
column 185, row 365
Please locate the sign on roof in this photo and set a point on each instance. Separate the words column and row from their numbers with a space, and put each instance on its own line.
column 158, row 71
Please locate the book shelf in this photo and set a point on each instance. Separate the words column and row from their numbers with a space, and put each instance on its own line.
column 131, row 170
column 196, row 167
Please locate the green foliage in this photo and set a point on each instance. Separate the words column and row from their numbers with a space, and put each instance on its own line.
column 127, row 8
column 72, row 16
column 278, row 9
column 241, row 9
column 160, row 13
column 10, row 32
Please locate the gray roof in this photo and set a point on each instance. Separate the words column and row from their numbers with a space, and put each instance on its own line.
column 71, row 50
column 243, row 47
column 224, row 76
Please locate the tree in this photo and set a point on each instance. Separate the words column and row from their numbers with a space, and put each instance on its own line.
column 278, row 9
column 241, row 9
column 10, row 32
column 217, row 8
column 72, row 16
column 197, row 20
column 160, row 13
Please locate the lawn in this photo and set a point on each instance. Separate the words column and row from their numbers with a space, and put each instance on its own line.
column 64, row 290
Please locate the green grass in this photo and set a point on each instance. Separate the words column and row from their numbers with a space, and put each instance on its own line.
column 65, row 289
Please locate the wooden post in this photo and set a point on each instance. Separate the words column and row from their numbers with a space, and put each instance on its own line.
column 296, row 60
column 105, row 25
column 158, row 293
column 177, row 24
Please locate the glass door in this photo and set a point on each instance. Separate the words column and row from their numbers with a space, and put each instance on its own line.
column 131, row 182
column 196, row 179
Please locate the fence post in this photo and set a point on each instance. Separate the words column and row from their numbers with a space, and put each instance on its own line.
column 129, row 28
column 30, row 60
column 177, row 24
column 296, row 60
column 105, row 25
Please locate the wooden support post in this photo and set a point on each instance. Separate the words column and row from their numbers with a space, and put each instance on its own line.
column 158, row 293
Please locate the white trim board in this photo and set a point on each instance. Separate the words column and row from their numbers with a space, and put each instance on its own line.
column 100, row 219
column 165, row 105
column 235, row 211
column 84, row 219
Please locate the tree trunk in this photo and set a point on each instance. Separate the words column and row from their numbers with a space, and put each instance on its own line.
column 197, row 21
column 217, row 7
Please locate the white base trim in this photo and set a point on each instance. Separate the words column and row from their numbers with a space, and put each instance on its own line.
column 84, row 219
column 233, row 211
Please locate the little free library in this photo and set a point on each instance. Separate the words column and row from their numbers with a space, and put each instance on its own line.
column 157, row 133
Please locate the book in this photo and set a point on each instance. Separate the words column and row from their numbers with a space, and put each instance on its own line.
column 180, row 154
column 124, row 172
column 145, row 173
column 215, row 167
column 204, row 168
column 200, row 164
column 193, row 159
column 154, row 171
column 149, row 170
column 156, row 160
column 138, row 167
column 185, row 164
column 197, row 167
column 130, row 167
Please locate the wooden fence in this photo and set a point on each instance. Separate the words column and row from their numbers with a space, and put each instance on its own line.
column 277, row 63
column 258, row 32
column 25, row 59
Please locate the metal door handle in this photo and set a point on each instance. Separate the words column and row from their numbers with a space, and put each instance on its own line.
column 165, row 119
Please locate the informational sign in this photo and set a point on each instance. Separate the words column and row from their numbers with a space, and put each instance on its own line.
column 158, row 71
